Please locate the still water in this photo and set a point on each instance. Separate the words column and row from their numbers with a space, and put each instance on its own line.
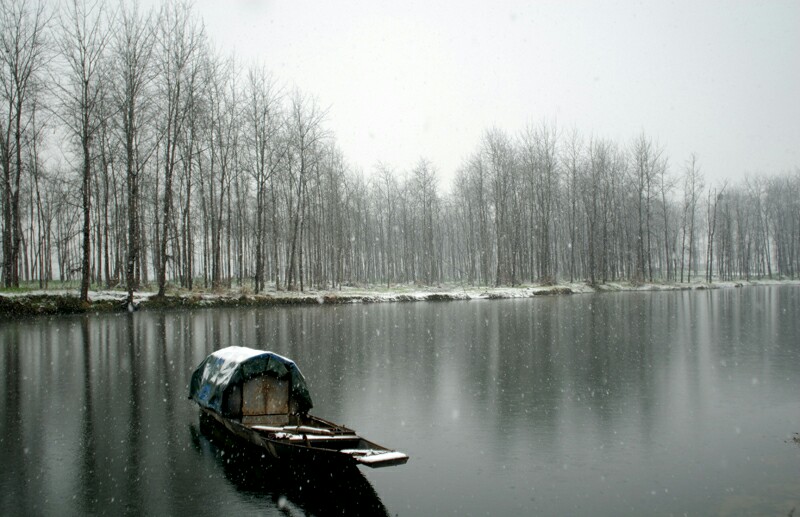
column 609, row 404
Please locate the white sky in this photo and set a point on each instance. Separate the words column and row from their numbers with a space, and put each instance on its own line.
column 424, row 78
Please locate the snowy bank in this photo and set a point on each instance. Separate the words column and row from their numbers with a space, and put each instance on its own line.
column 65, row 301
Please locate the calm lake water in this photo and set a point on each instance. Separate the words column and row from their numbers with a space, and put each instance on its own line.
column 609, row 404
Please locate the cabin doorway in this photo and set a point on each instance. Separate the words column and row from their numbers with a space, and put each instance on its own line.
column 265, row 395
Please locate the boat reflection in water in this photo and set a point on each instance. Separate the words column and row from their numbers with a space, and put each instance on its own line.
column 290, row 487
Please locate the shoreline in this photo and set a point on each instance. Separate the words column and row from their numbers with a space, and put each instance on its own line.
column 65, row 301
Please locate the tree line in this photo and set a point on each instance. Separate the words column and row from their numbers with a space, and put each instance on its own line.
column 134, row 153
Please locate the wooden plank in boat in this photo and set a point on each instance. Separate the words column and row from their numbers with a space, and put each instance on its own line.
column 372, row 458
column 292, row 429
column 267, row 428
column 315, row 437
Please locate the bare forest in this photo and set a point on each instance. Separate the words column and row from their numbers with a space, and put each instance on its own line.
column 135, row 155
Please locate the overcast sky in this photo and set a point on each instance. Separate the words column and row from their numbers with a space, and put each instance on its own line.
column 409, row 79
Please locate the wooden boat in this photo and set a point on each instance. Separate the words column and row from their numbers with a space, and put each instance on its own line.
column 306, row 489
column 262, row 398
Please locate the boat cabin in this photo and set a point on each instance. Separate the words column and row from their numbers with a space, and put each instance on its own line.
column 253, row 386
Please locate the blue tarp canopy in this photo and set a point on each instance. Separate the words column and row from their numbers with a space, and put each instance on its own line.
column 230, row 367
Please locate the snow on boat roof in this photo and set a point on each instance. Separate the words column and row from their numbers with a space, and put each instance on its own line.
column 233, row 365
column 242, row 353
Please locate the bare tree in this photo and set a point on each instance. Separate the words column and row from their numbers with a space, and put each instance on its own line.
column 424, row 189
column 305, row 133
column 715, row 196
column 40, row 198
column 499, row 155
column 180, row 41
column 599, row 160
column 386, row 191
column 646, row 156
column 539, row 163
column 692, row 186
column 265, row 152
column 474, row 192
column 665, row 184
column 223, row 140
column 83, row 39
column 573, row 162
column 132, row 58
column 23, row 54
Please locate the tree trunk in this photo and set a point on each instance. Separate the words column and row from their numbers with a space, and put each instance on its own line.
column 87, row 203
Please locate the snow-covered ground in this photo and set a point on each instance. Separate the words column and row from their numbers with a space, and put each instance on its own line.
column 398, row 293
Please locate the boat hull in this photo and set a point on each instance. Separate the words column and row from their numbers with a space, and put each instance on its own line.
column 334, row 445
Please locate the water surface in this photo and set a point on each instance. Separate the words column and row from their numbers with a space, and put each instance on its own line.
column 607, row 404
